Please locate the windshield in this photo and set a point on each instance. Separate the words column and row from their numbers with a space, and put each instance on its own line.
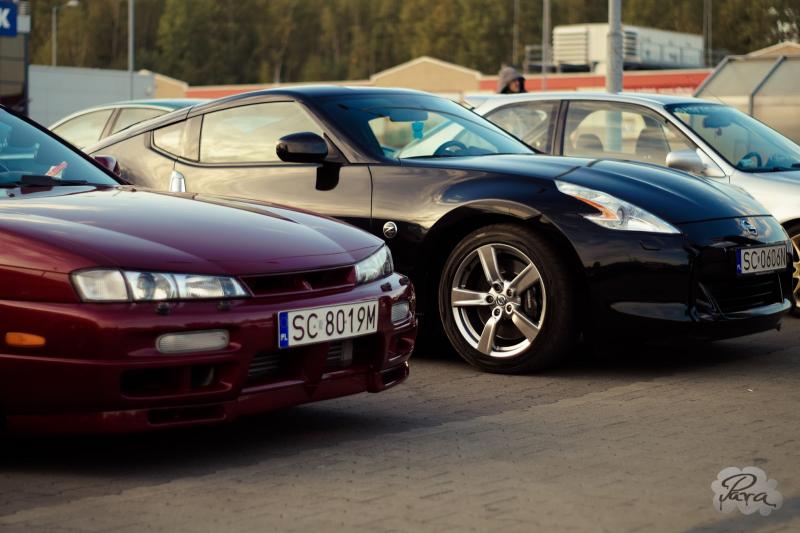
column 30, row 157
column 401, row 126
column 744, row 142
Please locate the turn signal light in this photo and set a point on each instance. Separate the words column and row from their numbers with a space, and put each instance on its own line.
column 24, row 340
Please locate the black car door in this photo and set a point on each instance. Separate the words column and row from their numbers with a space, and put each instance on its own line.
column 233, row 154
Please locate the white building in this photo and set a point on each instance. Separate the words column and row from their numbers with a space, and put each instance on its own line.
column 583, row 47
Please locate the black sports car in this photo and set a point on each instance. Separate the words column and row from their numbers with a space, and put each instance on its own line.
column 517, row 255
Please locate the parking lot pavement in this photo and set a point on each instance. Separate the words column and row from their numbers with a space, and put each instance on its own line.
column 624, row 440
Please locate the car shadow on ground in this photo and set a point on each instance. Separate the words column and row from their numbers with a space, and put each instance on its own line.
column 162, row 455
column 193, row 451
column 635, row 361
column 641, row 360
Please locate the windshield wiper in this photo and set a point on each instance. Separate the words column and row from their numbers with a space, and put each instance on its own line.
column 431, row 156
column 778, row 169
column 34, row 180
column 42, row 180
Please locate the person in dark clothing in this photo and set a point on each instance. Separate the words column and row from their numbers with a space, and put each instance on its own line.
column 510, row 81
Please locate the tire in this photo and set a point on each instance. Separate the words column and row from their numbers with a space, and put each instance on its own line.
column 502, row 333
column 794, row 233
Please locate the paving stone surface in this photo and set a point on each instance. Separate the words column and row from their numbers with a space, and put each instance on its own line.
column 618, row 439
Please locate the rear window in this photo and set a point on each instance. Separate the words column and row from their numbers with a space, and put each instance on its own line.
column 170, row 138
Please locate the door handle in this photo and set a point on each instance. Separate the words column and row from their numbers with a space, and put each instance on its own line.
column 177, row 182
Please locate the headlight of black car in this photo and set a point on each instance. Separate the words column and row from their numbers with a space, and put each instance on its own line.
column 615, row 213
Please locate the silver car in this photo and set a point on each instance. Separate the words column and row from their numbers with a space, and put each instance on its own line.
column 90, row 125
column 697, row 136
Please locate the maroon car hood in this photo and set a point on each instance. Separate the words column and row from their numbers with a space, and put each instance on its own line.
column 146, row 230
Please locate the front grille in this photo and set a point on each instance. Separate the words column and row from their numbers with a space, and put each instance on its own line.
column 743, row 293
column 340, row 355
column 333, row 279
column 274, row 364
column 264, row 365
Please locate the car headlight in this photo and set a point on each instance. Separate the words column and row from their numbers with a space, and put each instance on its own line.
column 107, row 285
column 615, row 213
column 378, row 265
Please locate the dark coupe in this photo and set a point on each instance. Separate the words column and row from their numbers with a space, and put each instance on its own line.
column 517, row 255
column 124, row 309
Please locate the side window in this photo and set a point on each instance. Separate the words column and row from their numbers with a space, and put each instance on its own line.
column 170, row 138
column 620, row 131
column 249, row 134
column 85, row 129
column 130, row 116
column 533, row 122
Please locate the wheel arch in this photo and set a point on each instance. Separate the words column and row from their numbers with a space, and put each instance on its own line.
column 791, row 222
column 463, row 220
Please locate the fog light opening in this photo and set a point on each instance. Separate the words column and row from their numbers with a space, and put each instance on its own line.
column 400, row 311
column 195, row 341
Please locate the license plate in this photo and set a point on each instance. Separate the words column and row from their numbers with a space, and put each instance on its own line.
column 761, row 259
column 310, row 326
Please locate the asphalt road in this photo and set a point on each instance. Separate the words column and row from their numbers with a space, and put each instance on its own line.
column 622, row 439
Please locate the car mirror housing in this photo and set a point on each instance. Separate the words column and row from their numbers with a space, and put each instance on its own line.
column 304, row 147
column 109, row 162
column 686, row 160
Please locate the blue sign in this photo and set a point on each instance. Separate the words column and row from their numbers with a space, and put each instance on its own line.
column 8, row 19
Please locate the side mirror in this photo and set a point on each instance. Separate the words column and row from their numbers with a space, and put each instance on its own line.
column 686, row 160
column 109, row 162
column 305, row 147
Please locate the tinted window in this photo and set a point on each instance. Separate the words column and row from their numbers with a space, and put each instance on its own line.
column 249, row 134
column 26, row 150
column 85, row 129
column 405, row 126
column 170, row 138
column 130, row 116
column 533, row 122
column 601, row 129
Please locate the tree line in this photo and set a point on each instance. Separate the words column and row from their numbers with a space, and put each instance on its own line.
column 252, row 41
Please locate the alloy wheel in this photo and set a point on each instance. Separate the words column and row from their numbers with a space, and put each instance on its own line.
column 498, row 300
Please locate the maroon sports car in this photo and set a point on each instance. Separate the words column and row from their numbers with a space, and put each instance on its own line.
column 124, row 310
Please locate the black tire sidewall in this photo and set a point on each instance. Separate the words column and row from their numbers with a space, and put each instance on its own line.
column 793, row 230
column 560, row 328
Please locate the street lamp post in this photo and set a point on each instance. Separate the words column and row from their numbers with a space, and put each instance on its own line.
column 545, row 42
column 614, row 50
column 131, row 27
column 54, row 28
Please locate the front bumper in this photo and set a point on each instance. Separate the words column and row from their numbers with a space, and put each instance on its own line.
column 100, row 371
column 680, row 286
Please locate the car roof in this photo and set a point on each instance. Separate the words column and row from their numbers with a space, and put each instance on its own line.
column 294, row 92
column 167, row 103
column 632, row 97
column 306, row 92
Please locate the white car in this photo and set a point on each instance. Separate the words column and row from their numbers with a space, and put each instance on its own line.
column 697, row 136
